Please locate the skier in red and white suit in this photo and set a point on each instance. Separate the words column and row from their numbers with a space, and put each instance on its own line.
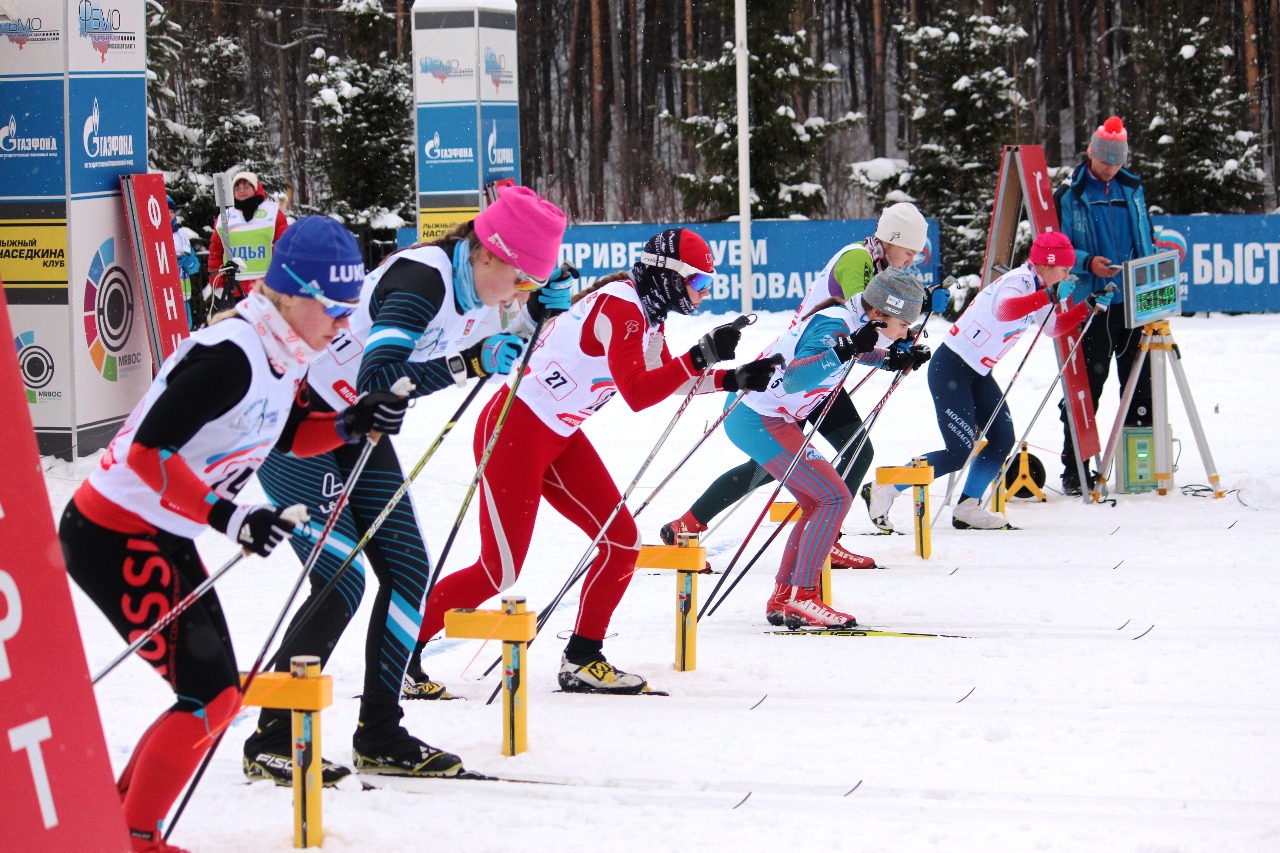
column 610, row 342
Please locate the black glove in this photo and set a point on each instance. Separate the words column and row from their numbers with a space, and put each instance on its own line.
column 863, row 340
column 256, row 528
column 752, row 376
column 901, row 356
column 379, row 410
column 719, row 344
column 866, row 338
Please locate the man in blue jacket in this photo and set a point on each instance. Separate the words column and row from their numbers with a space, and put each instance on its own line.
column 1103, row 211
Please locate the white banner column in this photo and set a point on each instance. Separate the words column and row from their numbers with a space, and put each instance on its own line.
column 72, row 121
column 466, row 107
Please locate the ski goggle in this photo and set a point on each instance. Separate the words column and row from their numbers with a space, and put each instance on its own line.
column 332, row 307
column 699, row 280
column 526, row 283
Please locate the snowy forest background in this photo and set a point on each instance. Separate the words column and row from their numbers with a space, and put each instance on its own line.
column 627, row 106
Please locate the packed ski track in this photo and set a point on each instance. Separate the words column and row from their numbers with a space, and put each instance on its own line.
column 1115, row 685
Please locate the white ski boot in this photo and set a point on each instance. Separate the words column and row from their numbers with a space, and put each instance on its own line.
column 969, row 515
column 879, row 499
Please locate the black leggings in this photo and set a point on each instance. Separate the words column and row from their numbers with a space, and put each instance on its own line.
column 135, row 580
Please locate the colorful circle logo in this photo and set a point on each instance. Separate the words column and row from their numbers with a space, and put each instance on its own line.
column 34, row 361
column 108, row 310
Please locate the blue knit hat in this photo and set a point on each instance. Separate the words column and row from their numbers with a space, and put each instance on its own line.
column 317, row 249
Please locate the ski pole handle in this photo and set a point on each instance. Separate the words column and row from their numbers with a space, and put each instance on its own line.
column 402, row 388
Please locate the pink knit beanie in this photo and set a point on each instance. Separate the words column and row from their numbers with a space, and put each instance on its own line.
column 523, row 230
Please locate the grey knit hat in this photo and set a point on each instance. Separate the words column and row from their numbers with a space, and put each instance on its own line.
column 898, row 293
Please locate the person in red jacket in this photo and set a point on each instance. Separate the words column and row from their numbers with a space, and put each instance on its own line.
column 610, row 342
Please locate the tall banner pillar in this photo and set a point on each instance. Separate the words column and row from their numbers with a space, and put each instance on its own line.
column 466, row 107
column 72, row 122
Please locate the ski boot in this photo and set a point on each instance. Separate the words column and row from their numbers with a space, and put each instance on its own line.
column 969, row 515
column 394, row 752
column 684, row 524
column 418, row 685
column 268, row 755
column 878, row 500
column 777, row 603
column 141, row 841
column 598, row 676
column 842, row 558
column 805, row 609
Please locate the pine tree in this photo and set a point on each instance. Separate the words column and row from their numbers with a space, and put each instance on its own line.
column 1197, row 155
column 228, row 133
column 785, row 141
column 365, row 109
column 964, row 106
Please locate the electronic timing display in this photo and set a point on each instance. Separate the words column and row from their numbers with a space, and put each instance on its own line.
column 1151, row 289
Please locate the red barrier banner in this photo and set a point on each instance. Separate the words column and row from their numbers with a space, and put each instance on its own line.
column 1023, row 185
column 147, row 212
column 58, row 788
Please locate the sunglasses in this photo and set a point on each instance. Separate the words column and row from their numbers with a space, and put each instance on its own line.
column 332, row 307
column 526, row 283
column 699, row 280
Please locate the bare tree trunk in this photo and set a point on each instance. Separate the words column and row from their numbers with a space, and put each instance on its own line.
column 878, row 82
column 400, row 30
column 595, row 169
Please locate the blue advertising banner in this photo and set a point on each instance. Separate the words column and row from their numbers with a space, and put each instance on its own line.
column 500, row 124
column 786, row 256
column 1228, row 263
column 447, row 148
column 107, row 131
column 32, row 160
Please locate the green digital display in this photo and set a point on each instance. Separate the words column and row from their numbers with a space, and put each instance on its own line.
column 1160, row 297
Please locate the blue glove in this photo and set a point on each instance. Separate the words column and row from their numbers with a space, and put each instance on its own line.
column 188, row 264
column 557, row 295
column 1106, row 298
column 495, row 354
column 939, row 300
column 1081, row 291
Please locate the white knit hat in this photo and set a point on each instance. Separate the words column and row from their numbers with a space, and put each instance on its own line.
column 902, row 225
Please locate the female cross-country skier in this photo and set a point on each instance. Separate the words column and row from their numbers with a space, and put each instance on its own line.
column 429, row 313
column 218, row 404
column 767, row 427
column 898, row 240
column 964, row 392
column 610, row 342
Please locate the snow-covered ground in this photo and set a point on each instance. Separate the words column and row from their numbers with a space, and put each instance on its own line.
column 1120, row 690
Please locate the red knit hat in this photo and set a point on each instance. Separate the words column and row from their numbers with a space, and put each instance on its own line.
column 1053, row 249
column 1110, row 143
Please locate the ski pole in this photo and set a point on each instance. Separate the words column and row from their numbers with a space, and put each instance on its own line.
column 580, row 569
column 865, row 430
column 760, row 476
column 402, row 387
column 826, row 407
column 707, row 607
column 977, row 438
column 484, row 457
column 174, row 612
column 1043, row 401
column 778, row 360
